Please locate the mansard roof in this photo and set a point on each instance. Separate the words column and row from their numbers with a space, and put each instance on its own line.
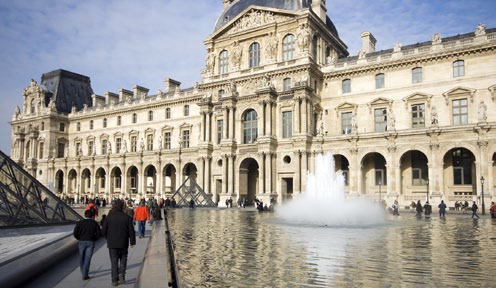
column 67, row 89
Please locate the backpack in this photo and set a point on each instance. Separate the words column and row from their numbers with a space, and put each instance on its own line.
column 92, row 210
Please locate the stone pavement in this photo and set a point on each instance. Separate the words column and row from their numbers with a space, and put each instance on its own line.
column 147, row 261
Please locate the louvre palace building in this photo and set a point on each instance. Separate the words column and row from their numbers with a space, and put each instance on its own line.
column 279, row 87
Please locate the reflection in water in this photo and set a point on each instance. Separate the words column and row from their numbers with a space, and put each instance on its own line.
column 244, row 248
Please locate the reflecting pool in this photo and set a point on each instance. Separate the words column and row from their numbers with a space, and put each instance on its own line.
column 245, row 248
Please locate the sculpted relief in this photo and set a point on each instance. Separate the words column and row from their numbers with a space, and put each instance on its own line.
column 255, row 19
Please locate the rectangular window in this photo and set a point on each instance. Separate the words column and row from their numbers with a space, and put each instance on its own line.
column 42, row 149
column 379, row 81
column 346, row 126
column 417, row 75
column 287, row 84
column 91, row 124
column 118, row 145
column 78, row 126
column 104, row 122
column 380, row 119
column 220, row 127
column 119, row 120
column 460, row 112
column 346, row 86
column 459, row 68
column 135, row 118
column 167, row 140
column 185, row 139
column 167, row 113
column 134, row 143
column 104, row 147
column 186, row 110
column 90, row 148
column 149, row 142
column 150, row 115
column 418, row 116
column 462, row 167
column 287, row 124
column 62, row 127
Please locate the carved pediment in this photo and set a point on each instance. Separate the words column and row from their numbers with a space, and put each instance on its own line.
column 118, row 134
column 418, row 97
column 104, row 136
column 346, row 106
column 149, row 131
column 380, row 101
column 167, row 128
column 459, row 92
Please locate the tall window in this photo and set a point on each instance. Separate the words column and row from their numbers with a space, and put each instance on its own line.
column 287, row 124
column 223, row 62
column 43, row 126
column 118, row 145
column 135, row 118
column 379, row 81
column 460, row 112
column 61, row 150
column 167, row 140
column 220, row 127
column 418, row 116
column 186, row 110
column 150, row 115
column 62, row 127
column 419, row 168
column 119, row 120
column 104, row 147
column 32, row 107
column 462, row 166
column 90, row 148
column 134, row 143
column 104, row 124
column 380, row 170
column 288, row 47
column 286, row 84
column 149, row 142
column 42, row 149
column 314, row 48
column 380, row 119
column 185, row 143
column 346, row 126
column 459, row 68
column 91, row 124
column 346, row 86
column 254, row 55
column 167, row 113
column 417, row 75
column 250, row 130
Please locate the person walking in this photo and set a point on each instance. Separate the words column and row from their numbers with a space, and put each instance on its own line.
column 86, row 231
column 492, row 210
column 419, row 209
column 442, row 209
column 93, row 208
column 474, row 210
column 427, row 209
column 141, row 214
column 118, row 229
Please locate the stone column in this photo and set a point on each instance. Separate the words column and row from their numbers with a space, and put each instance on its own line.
column 268, row 173
column 225, row 165
column 261, row 174
column 297, row 115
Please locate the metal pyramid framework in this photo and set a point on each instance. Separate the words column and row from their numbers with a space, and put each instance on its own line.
column 191, row 190
column 25, row 201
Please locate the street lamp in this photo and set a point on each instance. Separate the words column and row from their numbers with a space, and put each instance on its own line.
column 482, row 190
column 427, row 190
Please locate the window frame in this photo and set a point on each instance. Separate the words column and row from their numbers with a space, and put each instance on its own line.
column 223, row 62
column 254, row 55
column 380, row 81
column 288, row 47
column 458, row 68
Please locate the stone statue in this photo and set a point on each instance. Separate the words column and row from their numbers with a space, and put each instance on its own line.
column 210, row 60
column 80, row 152
column 434, row 119
column 436, row 38
column 391, row 119
column 160, row 142
column 482, row 112
column 302, row 35
column 320, row 127
column 142, row 145
column 236, row 54
column 480, row 30
column 231, row 87
column 397, row 47
column 354, row 125
column 109, row 147
column 124, row 147
column 272, row 45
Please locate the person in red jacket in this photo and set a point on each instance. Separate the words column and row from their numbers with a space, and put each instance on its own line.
column 141, row 214
column 93, row 208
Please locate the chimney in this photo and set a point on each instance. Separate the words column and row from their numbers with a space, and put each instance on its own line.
column 368, row 42
column 319, row 8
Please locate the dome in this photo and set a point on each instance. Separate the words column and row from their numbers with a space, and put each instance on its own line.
column 239, row 6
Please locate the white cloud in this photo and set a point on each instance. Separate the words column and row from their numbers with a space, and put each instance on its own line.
column 119, row 43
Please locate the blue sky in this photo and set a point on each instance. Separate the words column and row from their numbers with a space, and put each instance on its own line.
column 120, row 43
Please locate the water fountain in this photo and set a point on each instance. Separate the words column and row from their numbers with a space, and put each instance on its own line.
column 324, row 204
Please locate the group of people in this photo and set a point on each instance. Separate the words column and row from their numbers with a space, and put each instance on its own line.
column 118, row 229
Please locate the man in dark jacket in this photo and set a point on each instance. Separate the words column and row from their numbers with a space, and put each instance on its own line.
column 87, row 231
column 118, row 229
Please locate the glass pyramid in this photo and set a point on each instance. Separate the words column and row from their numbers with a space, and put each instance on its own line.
column 191, row 190
column 25, row 201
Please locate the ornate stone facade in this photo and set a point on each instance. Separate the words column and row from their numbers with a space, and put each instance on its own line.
column 278, row 88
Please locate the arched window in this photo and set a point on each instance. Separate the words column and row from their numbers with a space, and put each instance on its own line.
column 104, row 122
column 288, row 47
column 150, row 115
column 32, row 107
column 167, row 113
column 250, row 130
column 186, row 110
column 119, row 120
column 417, row 75
column 459, row 68
column 135, row 118
column 254, row 55
column 346, row 86
column 314, row 48
column 379, row 81
column 91, row 124
column 223, row 62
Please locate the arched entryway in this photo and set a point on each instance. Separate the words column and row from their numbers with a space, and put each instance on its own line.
column 190, row 171
column 132, row 182
column 115, row 182
column 374, row 176
column 72, row 179
column 85, row 183
column 151, row 181
column 249, row 180
column 169, row 178
column 100, row 182
column 459, row 175
column 414, row 175
column 342, row 165
column 59, row 183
